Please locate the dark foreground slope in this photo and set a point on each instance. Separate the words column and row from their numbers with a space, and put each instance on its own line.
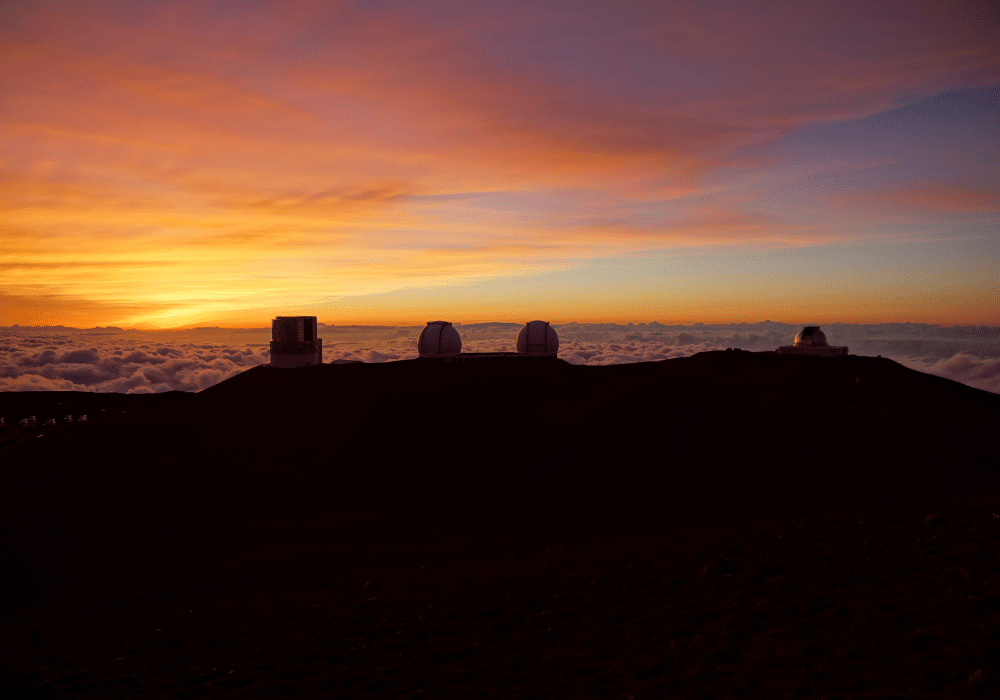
column 712, row 524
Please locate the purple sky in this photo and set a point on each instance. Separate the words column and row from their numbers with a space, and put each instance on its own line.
column 182, row 163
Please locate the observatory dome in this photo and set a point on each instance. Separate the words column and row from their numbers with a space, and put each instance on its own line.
column 811, row 336
column 439, row 338
column 538, row 338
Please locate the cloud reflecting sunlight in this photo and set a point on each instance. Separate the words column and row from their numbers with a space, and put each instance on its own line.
column 188, row 163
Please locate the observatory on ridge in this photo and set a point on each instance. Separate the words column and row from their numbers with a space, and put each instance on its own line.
column 812, row 341
column 294, row 342
column 440, row 341
column 538, row 338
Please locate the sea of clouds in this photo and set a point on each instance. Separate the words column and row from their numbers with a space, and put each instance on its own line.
column 132, row 361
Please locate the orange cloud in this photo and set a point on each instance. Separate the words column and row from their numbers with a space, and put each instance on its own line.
column 229, row 155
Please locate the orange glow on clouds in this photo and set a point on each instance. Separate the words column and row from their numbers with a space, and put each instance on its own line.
column 188, row 163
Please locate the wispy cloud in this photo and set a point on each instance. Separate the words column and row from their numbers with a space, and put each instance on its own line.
column 242, row 141
column 923, row 197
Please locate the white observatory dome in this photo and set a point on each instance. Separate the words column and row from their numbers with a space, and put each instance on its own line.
column 538, row 338
column 439, row 338
column 811, row 336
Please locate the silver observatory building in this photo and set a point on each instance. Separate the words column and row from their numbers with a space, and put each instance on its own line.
column 295, row 343
column 812, row 341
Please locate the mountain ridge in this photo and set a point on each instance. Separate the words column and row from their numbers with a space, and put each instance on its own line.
column 328, row 523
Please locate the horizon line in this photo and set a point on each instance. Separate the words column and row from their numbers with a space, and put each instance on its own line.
column 17, row 326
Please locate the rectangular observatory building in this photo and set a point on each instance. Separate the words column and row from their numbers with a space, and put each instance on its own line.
column 294, row 342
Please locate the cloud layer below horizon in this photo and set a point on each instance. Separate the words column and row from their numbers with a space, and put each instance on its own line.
column 112, row 360
column 226, row 161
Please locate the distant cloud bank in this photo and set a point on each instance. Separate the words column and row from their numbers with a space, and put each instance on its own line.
column 74, row 360
column 113, row 360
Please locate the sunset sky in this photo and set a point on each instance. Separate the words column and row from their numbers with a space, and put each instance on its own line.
column 187, row 163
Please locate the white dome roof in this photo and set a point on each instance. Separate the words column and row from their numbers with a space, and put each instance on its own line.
column 439, row 338
column 538, row 338
column 811, row 336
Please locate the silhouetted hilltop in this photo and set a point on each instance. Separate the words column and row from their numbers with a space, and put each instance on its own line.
column 510, row 450
column 375, row 528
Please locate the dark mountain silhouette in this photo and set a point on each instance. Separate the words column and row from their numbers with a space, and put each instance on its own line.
column 533, row 480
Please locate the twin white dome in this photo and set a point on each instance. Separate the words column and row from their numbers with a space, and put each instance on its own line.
column 538, row 338
column 441, row 338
